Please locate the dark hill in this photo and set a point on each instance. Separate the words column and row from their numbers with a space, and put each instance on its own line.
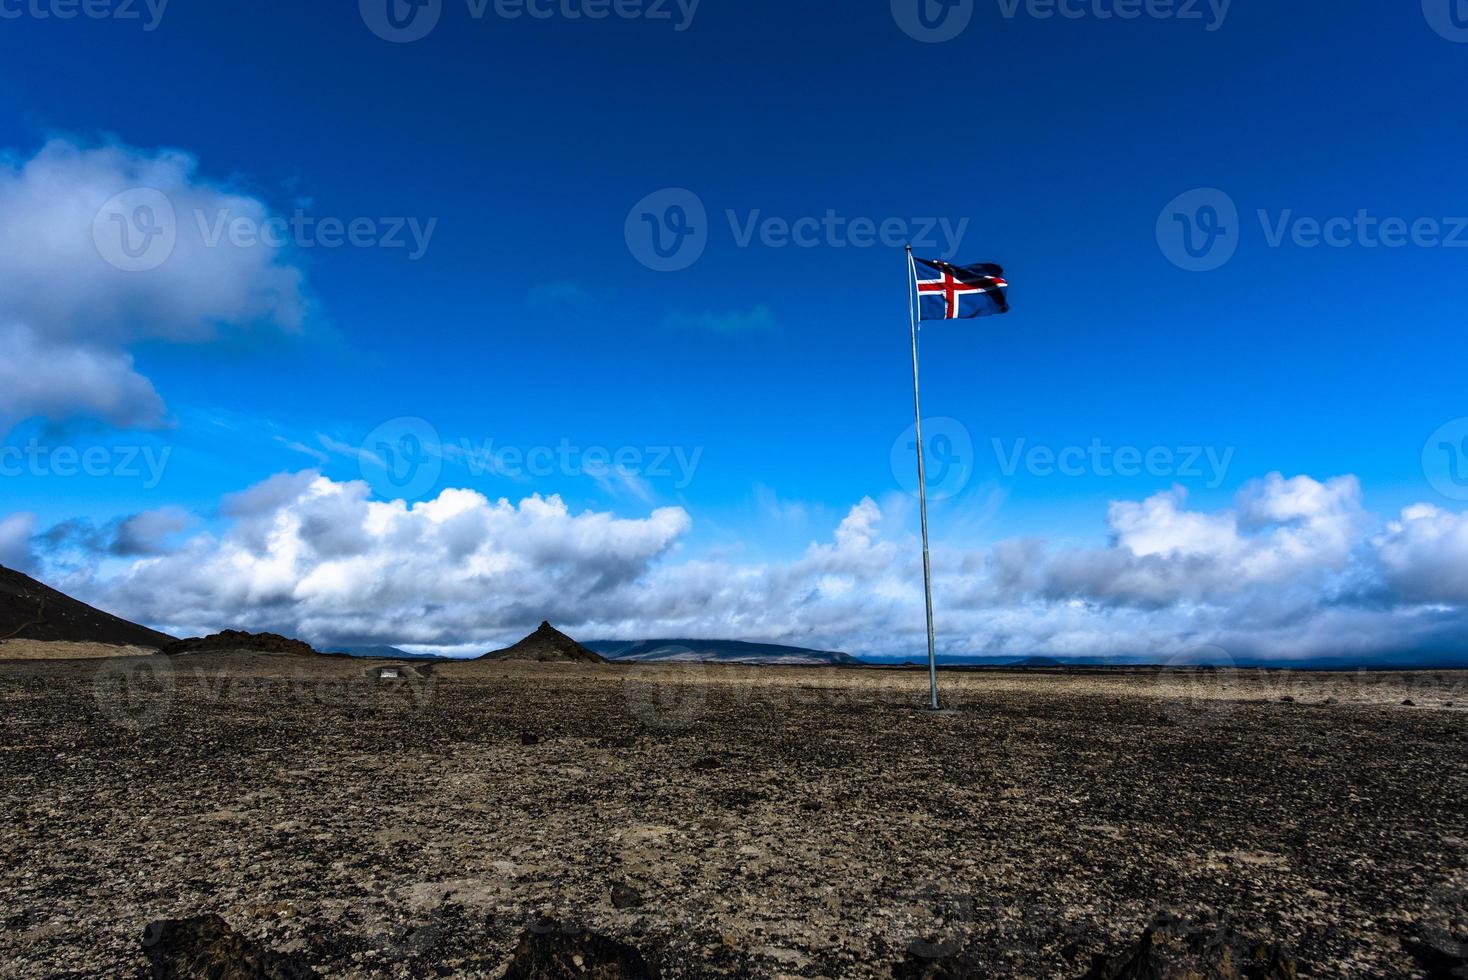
column 547, row 645
column 32, row 611
column 381, row 653
column 238, row 640
column 721, row 651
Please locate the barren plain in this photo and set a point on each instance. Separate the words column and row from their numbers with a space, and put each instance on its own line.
column 726, row 821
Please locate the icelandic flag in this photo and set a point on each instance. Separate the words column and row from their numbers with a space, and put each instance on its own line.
column 959, row 292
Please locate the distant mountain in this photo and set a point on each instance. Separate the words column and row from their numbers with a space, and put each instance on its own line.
column 32, row 611
column 382, row 653
column 1035, row 663
column 547, row 645
column 719, row 651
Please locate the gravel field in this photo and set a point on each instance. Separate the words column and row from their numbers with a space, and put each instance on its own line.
column 752, row 822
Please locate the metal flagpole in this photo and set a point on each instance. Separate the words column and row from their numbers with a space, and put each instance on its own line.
column 922, row 478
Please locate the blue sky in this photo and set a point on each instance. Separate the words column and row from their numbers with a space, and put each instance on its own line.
column 1056, row 144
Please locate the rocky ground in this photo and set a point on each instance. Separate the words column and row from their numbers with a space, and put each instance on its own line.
column 725, row 821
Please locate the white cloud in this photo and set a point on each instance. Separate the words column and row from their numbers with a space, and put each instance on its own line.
column 15, row 540
column 1292, row 569
column 59, row 379
column 320, row 558
column 1424, row 555
column 70, row 314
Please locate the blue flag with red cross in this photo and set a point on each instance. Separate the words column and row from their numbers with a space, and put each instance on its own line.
column 959, row 292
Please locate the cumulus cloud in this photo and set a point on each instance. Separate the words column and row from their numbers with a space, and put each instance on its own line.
column 1424, row 555
column 320, row 558
column 1295, row 568
column 73, row 298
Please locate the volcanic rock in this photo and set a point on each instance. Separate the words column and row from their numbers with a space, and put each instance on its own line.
column 916, row 966
column 32, row 611
column 549, row 952
column 624, row 896
column 185, row 949
column 238, row 640
column 1437, row 963
column 1175, row 949
column 547, row 645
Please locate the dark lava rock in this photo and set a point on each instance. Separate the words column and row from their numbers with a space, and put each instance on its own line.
column 1288, row 699
column 206, row 947
column 547, row 645
column 707, row 762
column 1437, row 963
column 238, row 640
column 618, row 742
column 1409, row 703
column 624, row 896
column 918, row 966
column 1332, row 700
column 1174, row 949
column 529, row 738
column 548, row 952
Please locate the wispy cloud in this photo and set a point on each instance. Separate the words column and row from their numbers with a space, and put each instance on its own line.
column 757, row 320
column 559, row 296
